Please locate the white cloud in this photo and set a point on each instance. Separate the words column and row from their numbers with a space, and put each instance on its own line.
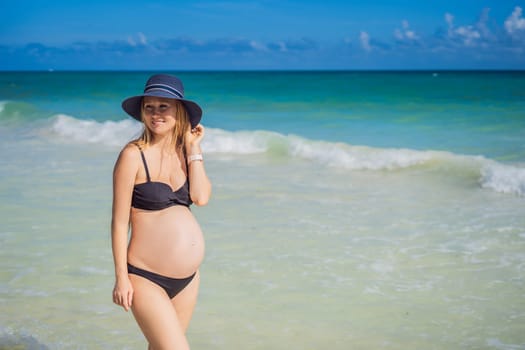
column 406, row 33
column 142, row 39
column 467, row 34
column 482, row 23
column 449, row 19
column 365, row 41
column 398, row 34
column 282, row 47
column 515, row 22
column 257, row 46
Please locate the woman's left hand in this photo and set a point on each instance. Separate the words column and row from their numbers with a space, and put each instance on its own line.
column 194, row 136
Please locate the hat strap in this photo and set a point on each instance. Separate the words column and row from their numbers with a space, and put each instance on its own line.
column 165, row 88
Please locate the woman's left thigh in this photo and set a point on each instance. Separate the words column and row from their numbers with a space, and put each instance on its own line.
column 184, row 302
column 156, row 316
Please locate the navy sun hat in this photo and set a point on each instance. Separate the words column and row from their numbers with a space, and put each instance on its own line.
column 165, row 86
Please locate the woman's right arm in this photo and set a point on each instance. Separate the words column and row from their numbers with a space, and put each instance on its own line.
column 124, row 175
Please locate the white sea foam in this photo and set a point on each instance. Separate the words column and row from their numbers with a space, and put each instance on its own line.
column 241, row 142
column 503, row 178
column 357, row 157
column 337, row 154
column 496, row 176
column 493, row 175
column 89, row 131
column 327, row 153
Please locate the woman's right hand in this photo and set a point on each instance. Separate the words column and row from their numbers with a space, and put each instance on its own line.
column 123, row 292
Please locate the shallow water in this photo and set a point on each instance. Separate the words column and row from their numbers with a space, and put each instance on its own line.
column 311, row 242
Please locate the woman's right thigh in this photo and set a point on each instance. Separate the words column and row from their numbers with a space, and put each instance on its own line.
column 156, row 315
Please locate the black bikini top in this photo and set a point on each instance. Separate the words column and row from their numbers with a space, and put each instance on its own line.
column 155, row 195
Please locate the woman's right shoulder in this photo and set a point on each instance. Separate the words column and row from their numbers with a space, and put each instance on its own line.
column 129, row 154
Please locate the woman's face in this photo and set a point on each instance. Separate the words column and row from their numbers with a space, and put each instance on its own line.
column 159, row 114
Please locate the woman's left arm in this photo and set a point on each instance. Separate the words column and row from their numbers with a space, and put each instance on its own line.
column 200, row 185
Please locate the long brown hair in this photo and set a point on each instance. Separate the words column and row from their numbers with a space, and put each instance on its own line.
column 182, row 123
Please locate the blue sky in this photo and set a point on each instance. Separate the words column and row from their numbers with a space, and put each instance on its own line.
column 272, row 34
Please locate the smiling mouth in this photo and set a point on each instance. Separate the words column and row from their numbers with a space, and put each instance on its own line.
column 157, row 122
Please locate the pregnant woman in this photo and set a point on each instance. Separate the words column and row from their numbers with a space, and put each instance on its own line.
column 156, row 178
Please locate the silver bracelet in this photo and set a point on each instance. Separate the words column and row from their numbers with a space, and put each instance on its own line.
column 193, row 157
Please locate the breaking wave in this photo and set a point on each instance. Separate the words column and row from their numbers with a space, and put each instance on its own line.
column 492, row 175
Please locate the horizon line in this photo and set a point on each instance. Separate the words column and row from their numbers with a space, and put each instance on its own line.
column 278, row 70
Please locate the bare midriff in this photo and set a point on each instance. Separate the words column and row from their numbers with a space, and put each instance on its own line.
column 168, row 242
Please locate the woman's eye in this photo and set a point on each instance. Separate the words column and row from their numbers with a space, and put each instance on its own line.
column 150, row 109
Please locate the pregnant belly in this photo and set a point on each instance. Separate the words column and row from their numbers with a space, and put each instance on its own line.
column 168, row 242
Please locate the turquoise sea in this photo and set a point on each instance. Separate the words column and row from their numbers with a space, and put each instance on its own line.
column 351, row 210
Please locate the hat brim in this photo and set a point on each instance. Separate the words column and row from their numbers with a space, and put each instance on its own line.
column 133, row 106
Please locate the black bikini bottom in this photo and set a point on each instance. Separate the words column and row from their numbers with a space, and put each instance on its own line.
column 172, row 286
